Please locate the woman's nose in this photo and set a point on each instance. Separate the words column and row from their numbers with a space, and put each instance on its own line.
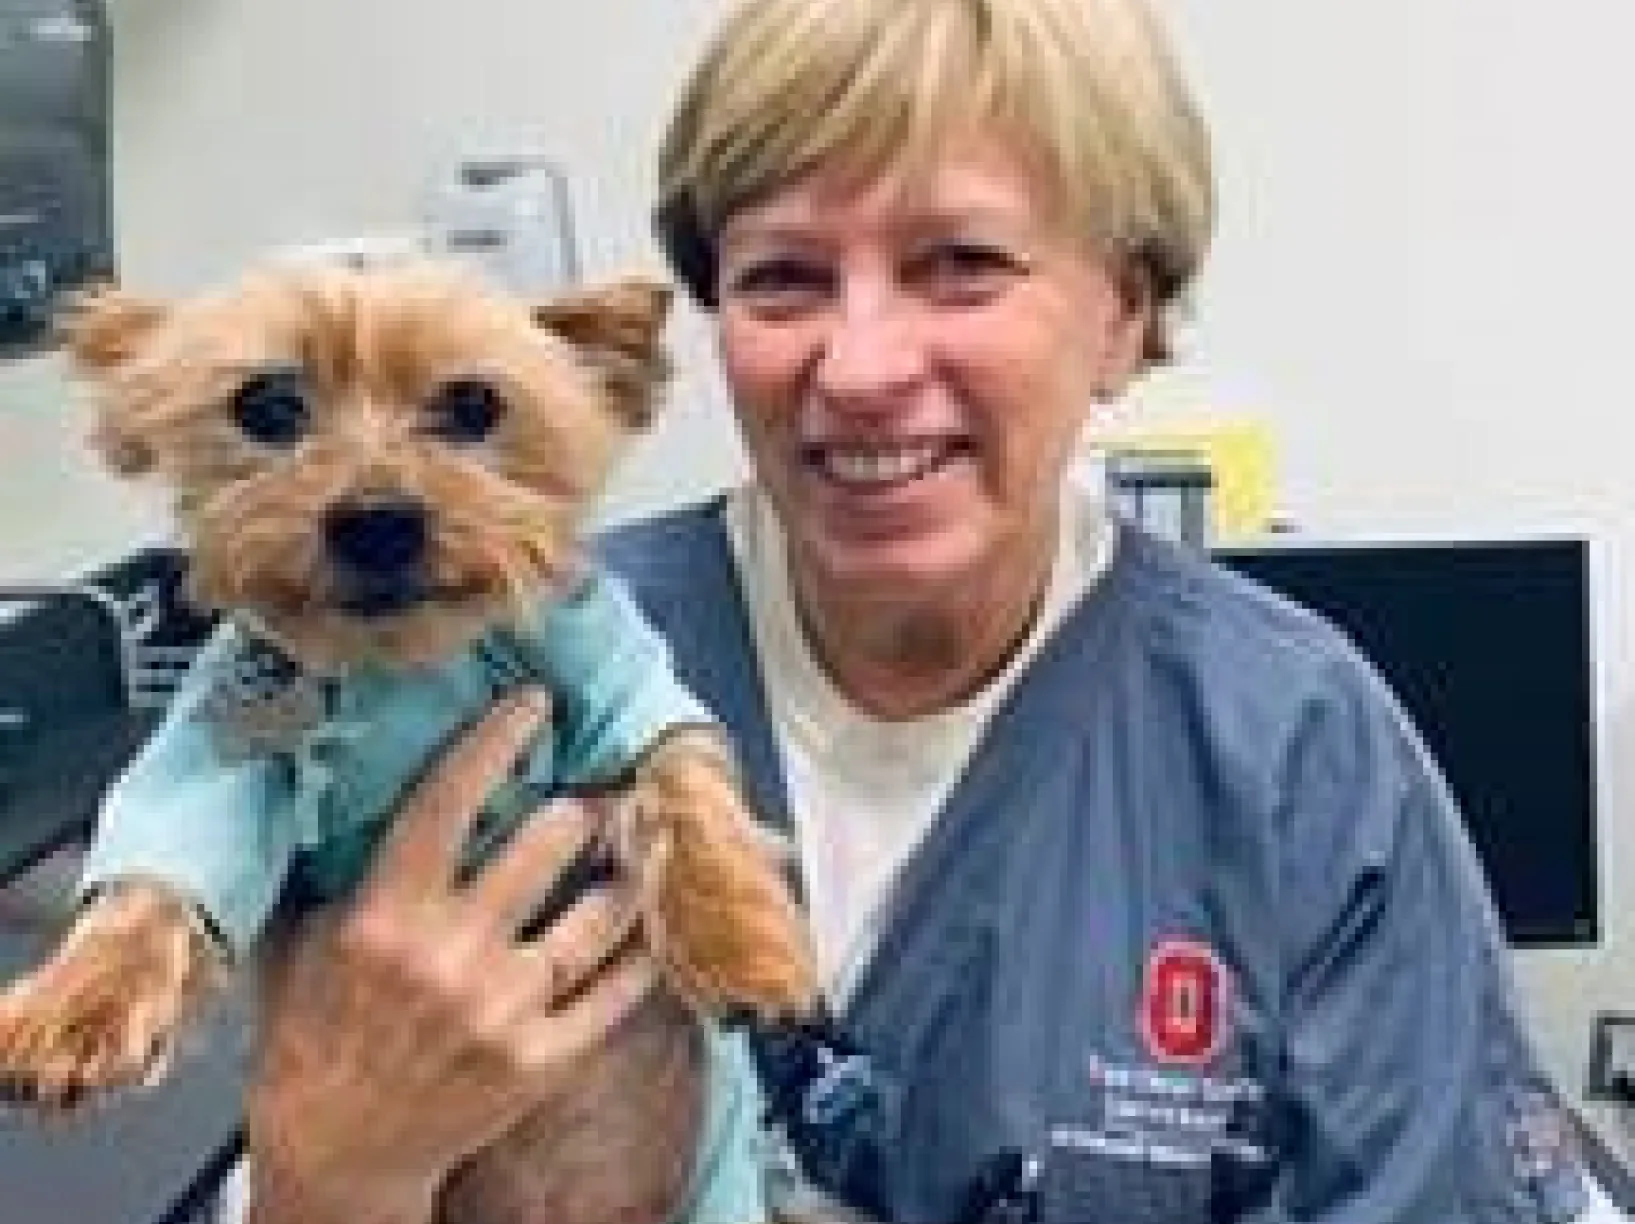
column 871, row 347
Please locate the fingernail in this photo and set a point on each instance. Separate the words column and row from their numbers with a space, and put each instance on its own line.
column 533, row 702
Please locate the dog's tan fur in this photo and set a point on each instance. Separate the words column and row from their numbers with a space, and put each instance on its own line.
column 577, row 375
column 102, row 1012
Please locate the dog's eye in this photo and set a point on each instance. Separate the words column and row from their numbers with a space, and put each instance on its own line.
column 465, row 410
column 272, row 408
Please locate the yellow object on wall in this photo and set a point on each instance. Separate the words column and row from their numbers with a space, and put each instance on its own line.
column 1240, row 456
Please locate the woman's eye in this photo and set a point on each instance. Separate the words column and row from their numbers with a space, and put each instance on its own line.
column 778, row 284
column 465, row 411
column 965, row 271
column 271, row 408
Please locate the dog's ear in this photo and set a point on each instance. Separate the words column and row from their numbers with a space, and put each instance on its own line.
column 104, row 328
column 618, row 327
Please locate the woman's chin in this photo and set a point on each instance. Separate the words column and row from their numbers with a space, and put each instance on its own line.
column 900, row 570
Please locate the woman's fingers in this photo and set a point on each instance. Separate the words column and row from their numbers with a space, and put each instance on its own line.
column 511, row 886
column 424, row 846
column 558, row 1036
column 586, row 938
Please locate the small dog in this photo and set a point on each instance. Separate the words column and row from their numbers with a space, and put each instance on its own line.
column 381, row 474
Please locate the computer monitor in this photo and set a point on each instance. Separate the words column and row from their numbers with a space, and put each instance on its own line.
column 1488, row 645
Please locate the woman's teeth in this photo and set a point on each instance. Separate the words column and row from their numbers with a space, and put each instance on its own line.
column 876, row 468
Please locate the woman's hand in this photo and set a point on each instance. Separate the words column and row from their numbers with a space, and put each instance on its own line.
column 414, row 1029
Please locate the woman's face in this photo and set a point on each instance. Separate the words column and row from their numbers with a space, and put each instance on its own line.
column 911, row 363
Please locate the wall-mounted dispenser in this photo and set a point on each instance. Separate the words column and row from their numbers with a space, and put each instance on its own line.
column 508, row 214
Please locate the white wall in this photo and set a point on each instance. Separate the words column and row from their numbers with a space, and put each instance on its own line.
column 58, row 513
column 1420, row 279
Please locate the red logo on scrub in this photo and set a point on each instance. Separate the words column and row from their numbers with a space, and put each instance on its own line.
column 1184, row 1002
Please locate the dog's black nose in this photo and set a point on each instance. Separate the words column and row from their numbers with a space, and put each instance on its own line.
column 377, row 535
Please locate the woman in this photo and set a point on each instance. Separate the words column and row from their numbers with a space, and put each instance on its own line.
column 1136, row 897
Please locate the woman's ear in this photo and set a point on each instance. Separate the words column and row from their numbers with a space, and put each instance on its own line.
column 1134, row 336
column 104, row 328
column 618, row 329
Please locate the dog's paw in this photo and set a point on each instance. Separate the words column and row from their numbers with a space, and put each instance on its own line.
column 57, row 1055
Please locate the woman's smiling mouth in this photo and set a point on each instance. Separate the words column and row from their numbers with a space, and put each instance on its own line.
column 876, row 467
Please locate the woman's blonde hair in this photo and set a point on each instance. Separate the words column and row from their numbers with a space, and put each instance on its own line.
column 1088, row 88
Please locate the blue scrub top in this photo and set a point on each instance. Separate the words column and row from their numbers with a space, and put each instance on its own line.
column 1197, row 937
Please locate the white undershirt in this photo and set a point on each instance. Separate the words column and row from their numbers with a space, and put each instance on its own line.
column 863, row 790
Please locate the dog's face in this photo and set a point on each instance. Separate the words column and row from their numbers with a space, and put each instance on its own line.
column 375, row 464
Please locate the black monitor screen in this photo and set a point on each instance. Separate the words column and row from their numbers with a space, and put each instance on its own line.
column 1488, row 647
